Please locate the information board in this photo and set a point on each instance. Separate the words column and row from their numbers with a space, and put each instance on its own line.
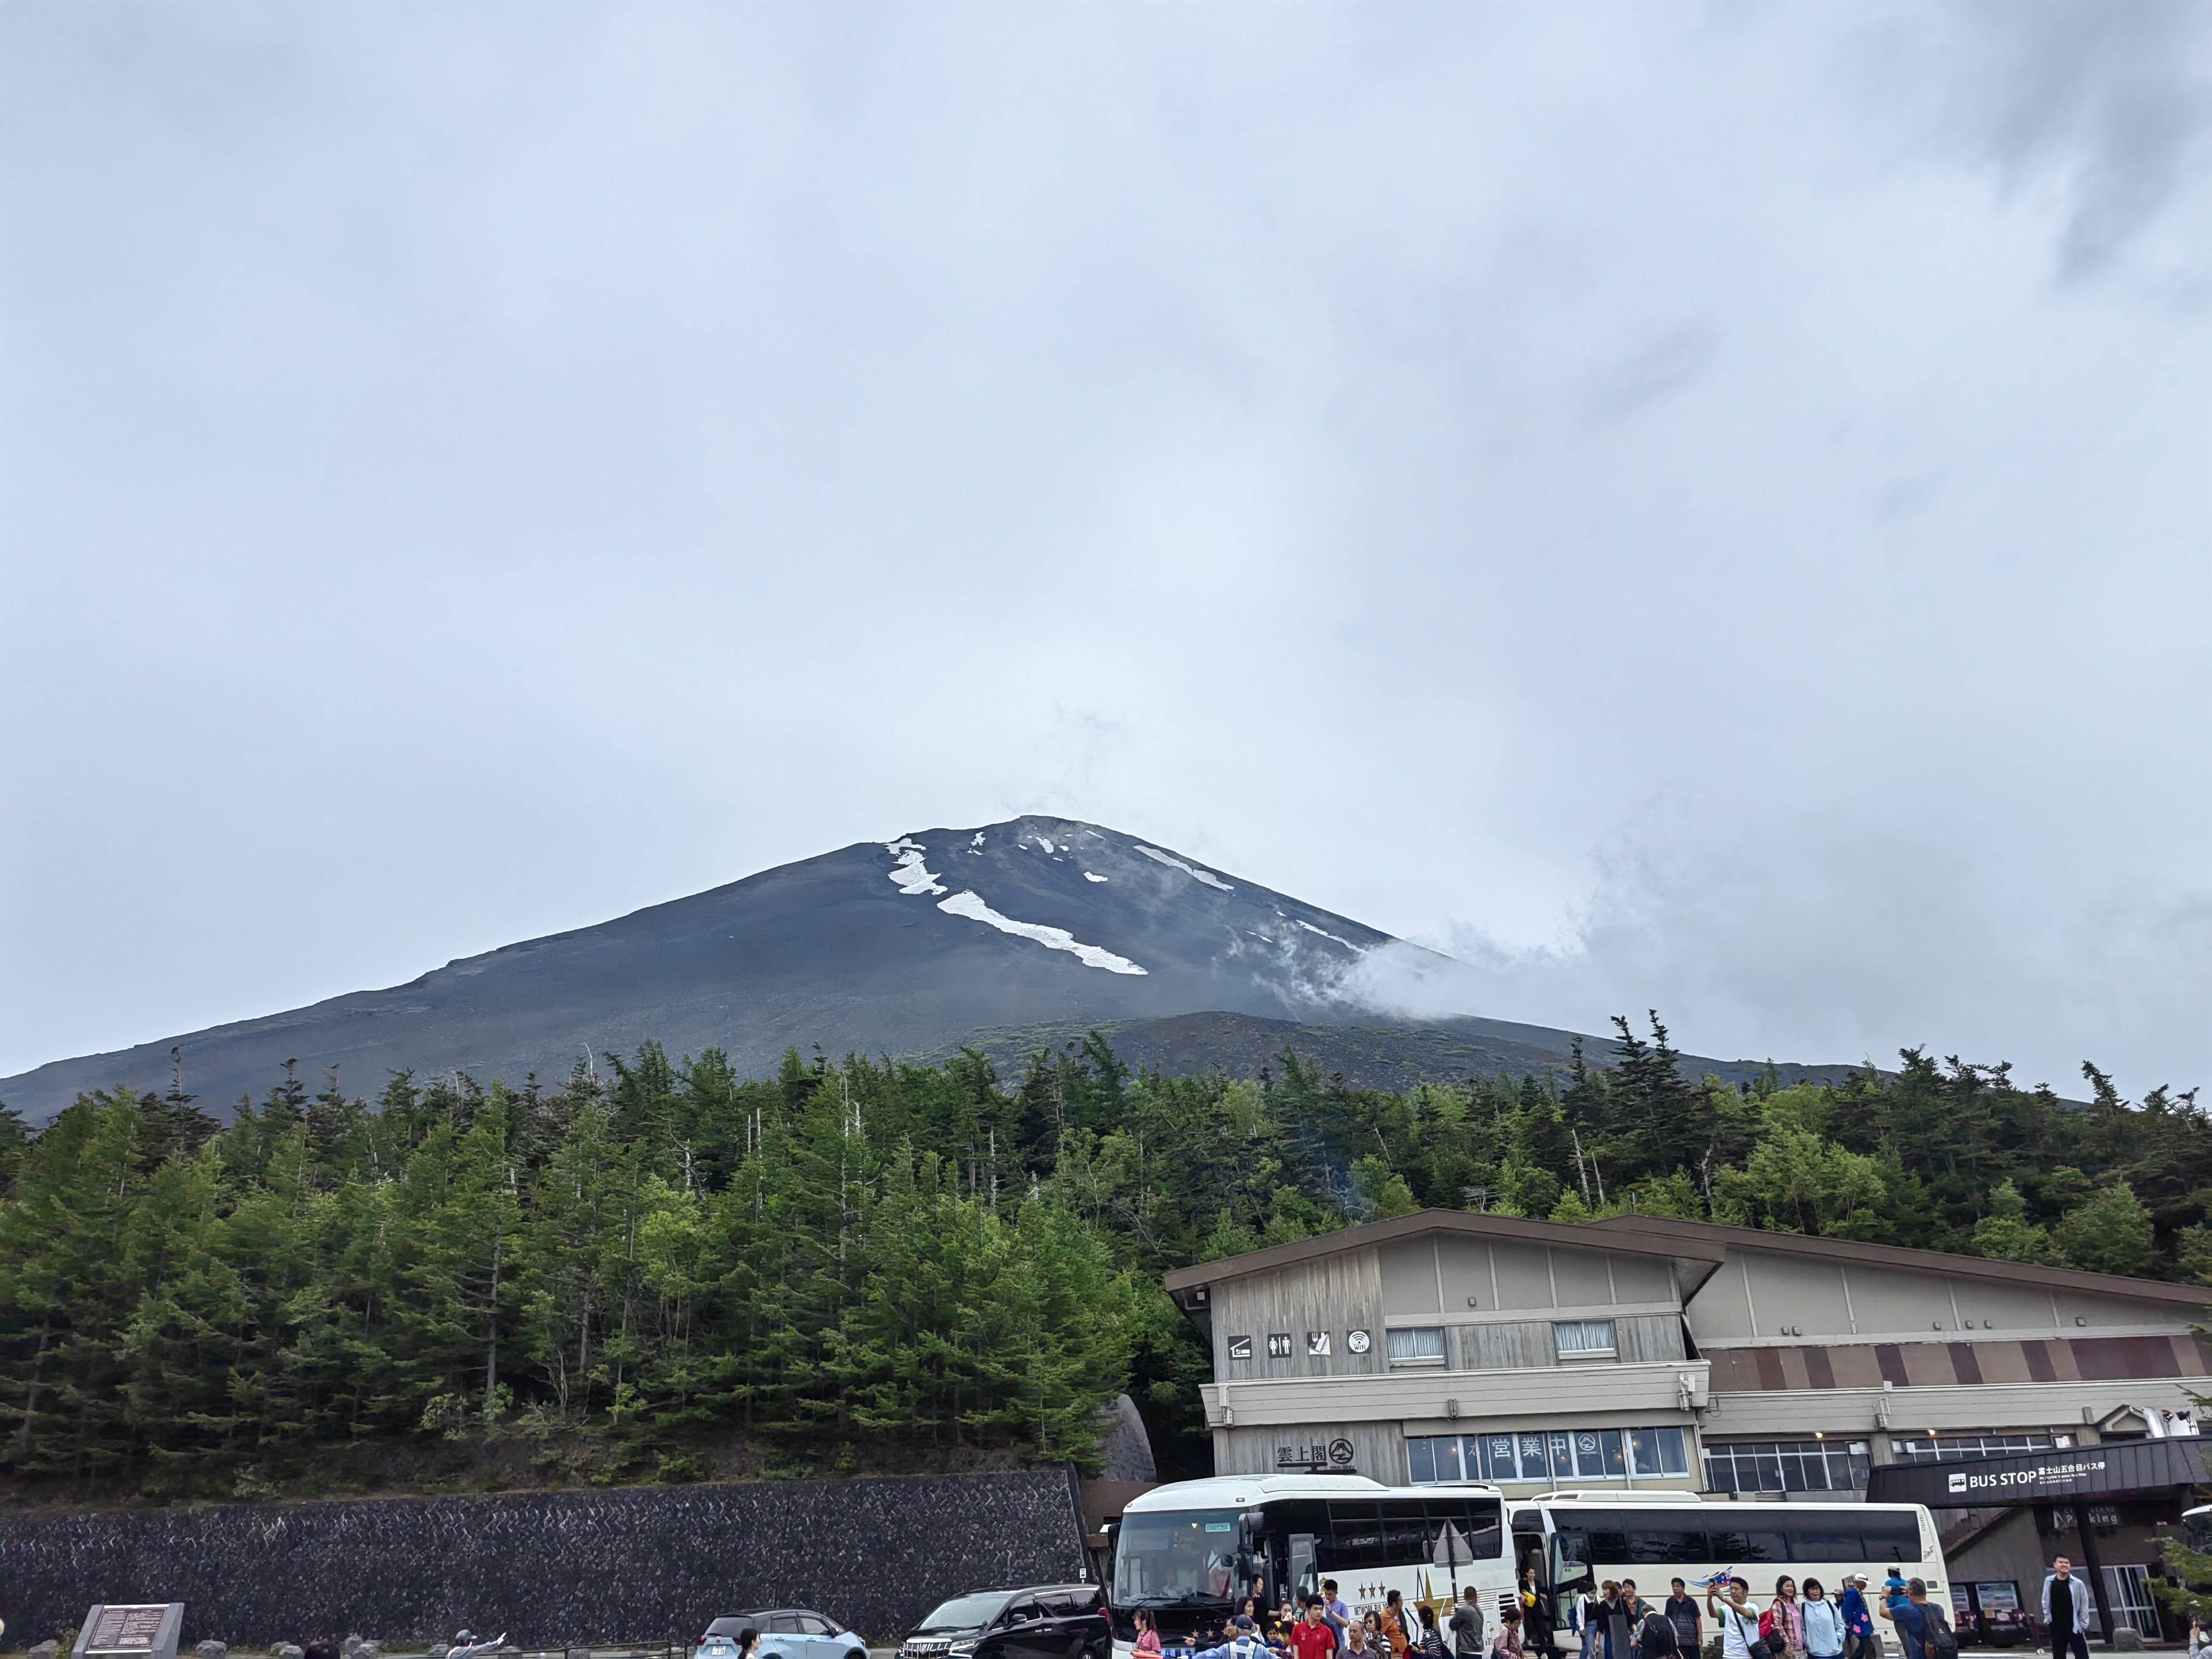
column 131, row 1630
column 127, row 1629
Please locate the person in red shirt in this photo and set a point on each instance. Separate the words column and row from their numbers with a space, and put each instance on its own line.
column 1311, row 1636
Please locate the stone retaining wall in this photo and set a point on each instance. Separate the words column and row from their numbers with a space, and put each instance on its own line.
column 550, row 1569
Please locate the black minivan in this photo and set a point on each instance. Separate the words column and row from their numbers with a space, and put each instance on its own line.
column 1046, row 1621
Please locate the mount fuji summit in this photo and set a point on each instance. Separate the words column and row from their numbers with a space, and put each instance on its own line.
column 1003, row 936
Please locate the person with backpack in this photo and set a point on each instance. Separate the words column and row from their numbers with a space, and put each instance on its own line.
column 1655, row 1636
column 1917, row 1623
column 1431, row 1642
column 1466, row 1624
column 1243, row 1641
column 1942, row 1641
column 1822, row 1622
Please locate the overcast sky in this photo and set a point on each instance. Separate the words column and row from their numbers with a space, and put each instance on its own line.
column 1694, row 506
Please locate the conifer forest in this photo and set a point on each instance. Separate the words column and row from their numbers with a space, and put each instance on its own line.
column 857, row 1256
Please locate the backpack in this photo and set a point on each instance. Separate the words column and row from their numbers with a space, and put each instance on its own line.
column 1942, row 1640
column 1659, row 1636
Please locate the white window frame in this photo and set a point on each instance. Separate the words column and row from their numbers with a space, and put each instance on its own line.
column 1582, row 1350
column 1416, row 1360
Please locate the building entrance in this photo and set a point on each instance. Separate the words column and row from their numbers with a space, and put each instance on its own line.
column 2071, row 1480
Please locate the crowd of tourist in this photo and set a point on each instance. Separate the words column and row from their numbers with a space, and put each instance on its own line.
column 1613, row 1620
column 1322, row 1626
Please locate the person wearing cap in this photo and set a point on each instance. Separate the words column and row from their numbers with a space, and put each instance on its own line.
column 1243, row 1641
column 1859, row 1641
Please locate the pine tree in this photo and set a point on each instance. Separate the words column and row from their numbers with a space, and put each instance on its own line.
column 2112, row 1233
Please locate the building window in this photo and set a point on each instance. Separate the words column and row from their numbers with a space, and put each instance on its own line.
column 1966, row 1448
column 1434, row 1458
column 1583, row 1339
column 1549, row 1455
column 1421, row 1345
column 1786, row 1466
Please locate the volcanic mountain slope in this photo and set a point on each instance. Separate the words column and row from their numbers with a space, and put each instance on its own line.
column 906, row 948
column 1367, row 1054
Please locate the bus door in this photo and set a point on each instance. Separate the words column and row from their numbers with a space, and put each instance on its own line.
column 1297, row 1530
column 1528, row 1546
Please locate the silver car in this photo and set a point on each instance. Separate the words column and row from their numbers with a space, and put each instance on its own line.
column 791, row 1634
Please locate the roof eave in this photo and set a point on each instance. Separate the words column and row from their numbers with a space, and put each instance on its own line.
column 1370, row 1234
column 2033, row 1274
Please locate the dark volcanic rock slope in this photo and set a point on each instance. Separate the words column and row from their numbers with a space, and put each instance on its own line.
column 901, row 948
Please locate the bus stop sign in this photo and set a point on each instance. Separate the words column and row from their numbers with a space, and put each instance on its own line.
column 2114, row 1469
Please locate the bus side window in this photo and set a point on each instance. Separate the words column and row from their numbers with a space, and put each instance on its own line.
column 1605, row 1536
column 1750, row 1548
column 1891, row 1537
column 1404, row 1532
column 1355, row 1537
column 1305, row 1574
column 1464, row 1530
column 1664, row 1540
column 1828, row 1538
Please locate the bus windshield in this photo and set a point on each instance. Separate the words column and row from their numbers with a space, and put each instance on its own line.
column 1185, row 1556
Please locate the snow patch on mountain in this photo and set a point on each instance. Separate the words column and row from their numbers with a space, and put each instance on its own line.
column 907, row 874
column 969, row 904
column 1087, row 876
column 1325, row 933
column 1192, row 870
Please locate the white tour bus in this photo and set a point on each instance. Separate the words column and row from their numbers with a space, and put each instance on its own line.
column 1190, row 1552
column 1589, row 1536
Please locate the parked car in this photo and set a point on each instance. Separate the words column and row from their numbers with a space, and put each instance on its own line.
column 791, row 1633
column 1044, row 1621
